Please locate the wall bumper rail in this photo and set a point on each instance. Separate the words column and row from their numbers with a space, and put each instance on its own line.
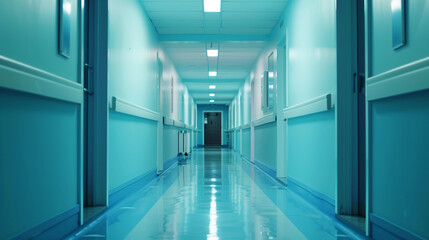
column 125, row 107
column 25, row 78
column 409, row 78
column 269, row 118
column 315, row 105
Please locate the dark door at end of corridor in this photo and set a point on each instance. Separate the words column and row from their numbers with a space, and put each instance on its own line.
column 212, row 129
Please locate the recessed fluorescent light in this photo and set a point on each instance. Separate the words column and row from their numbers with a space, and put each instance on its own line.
column 212, row 100
column 212, row 74
column 212, row 86
column 212, row 53
column 211, row 94
column 211, row 5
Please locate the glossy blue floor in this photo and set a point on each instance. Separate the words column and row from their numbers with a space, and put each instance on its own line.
column 213, row 194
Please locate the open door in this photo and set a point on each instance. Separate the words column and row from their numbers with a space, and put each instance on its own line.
column 94, row 168
column 350, row 107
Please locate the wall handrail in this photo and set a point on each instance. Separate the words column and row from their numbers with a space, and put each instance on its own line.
column 269, row 118
column 25, row 78
column 405, row 79
column 315, row 105
column 168, row 121
column 178, row 124
column 125, row 107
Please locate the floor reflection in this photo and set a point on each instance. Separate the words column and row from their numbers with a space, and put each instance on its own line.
column 212, row 195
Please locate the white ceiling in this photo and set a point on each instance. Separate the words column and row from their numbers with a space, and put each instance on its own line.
column 186, row 20
column 236, row 17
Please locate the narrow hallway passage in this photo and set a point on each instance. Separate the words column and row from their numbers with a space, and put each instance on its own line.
column 213, row 194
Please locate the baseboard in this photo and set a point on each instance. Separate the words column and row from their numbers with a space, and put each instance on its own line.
column 56, row 227
column 172, row 161
column 384, row 229
column 317, row 199
column 124, row 190
column 266, row 168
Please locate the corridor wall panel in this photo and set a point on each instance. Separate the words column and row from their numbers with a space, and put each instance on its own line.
column 311, row 72
column 246, row 143
column 39, row 159
column 311, row 157
column 132, row 148
column 398, row 126
column 132, row 67
column 29, row 35
column 39, row 136
column 400, row 161
column 171, row 142
column 265, row 145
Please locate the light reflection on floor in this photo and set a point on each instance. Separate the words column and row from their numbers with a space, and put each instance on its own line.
column 213, row 195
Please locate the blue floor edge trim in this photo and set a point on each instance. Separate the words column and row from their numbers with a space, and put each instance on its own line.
column 55, row 227
column 321, row 201
column 267, row 169
column 119, row 193
column 170, row 162
column 384, row 229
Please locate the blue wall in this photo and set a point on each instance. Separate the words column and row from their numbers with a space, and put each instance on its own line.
column 133, row 66
column 310, row 161
column 311, row 73
column 265, row 145
column 39, row 136
column 221, row 108
column 246, row 143
column 132, row 75
column 399, row 143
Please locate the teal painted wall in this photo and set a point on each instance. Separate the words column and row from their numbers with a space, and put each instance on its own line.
column 170, row 140
column 417, row 21
column 311, row 73
column 39, row 159
column 399, row 142
column 265, row 145
column 37, row 20
column 399, row 162
column 134, row 51
column 221, row 108
column 237, row 141
column 132, row 77
column 39, row 137
column 132, row 149
column 311, row 158
column 246, row 143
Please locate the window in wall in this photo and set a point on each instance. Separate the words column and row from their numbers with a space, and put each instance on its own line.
column 172, row 95
column 271, row 83
column 268, row 86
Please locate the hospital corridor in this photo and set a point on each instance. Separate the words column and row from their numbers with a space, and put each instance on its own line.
column 214, row 119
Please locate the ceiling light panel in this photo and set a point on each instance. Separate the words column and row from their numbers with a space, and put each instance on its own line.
column 212, row 5
column 212, row 74
column 212, row 53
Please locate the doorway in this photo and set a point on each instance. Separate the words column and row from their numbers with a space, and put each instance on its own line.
column 95, row 110
column 351, row 120
column 212, row 129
